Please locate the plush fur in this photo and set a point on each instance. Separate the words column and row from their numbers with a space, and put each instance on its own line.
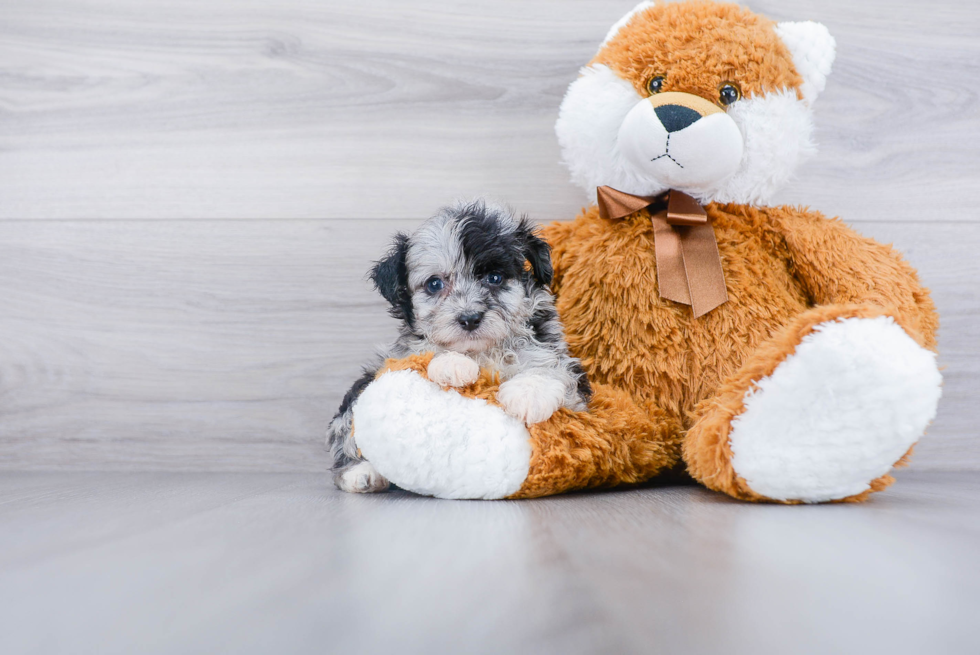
column 818, row 374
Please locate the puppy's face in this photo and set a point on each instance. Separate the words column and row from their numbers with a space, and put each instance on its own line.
column 461, row 281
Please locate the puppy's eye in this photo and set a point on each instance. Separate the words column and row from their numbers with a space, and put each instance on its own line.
column 495, row 279
column 434, row 285
column 656, row 85
column 729, row 93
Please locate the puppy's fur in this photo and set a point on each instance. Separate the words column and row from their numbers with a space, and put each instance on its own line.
column 470, row 285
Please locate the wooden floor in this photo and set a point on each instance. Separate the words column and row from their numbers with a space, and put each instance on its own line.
column 283, row 563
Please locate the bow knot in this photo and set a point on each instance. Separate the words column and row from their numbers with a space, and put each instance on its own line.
column 688, row 264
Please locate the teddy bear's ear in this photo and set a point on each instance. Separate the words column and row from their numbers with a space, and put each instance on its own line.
column 621, row 23
column 813, row 50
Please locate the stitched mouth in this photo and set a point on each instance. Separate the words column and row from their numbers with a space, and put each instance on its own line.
column 667, row 154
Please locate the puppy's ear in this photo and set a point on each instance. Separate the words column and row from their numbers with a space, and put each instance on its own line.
column 536, row 251
column 390, row 277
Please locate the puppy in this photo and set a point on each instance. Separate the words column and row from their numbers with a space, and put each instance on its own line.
column 471, row 286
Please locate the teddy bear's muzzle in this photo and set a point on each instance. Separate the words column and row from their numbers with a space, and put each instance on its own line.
column 681, row 141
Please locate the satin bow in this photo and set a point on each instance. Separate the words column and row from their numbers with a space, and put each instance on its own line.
column 688, row 264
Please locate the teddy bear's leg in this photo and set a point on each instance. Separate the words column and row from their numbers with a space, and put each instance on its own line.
column 448, row 444
column 821, row 412
column 618, row 441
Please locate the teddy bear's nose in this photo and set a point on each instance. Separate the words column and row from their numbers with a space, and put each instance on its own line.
column 676, row 117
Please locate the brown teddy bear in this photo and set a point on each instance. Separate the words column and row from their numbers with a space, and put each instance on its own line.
column 774, row 353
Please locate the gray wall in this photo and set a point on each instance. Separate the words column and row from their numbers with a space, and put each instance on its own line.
column 192, row 190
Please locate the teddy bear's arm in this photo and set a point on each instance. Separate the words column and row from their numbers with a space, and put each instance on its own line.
column 836, row 265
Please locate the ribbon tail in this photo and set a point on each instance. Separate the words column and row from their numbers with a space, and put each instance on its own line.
column 689, row 267
column 702, row 268
column 671, row 270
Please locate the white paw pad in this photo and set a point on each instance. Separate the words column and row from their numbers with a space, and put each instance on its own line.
column 451, row 369
column 361, row 478
column 531, row 398
column 836, row 414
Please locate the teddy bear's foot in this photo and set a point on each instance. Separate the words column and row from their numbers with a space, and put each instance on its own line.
column 826, row 422
column 439, row 443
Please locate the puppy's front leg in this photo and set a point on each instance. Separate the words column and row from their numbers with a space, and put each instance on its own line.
column 531, row 397
column 452, row 369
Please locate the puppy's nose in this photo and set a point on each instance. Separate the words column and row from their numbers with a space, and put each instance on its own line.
column 676, row 117
column 470, row 322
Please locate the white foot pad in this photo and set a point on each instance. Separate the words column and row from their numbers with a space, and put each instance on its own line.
column 838, row 413
column 438, row 443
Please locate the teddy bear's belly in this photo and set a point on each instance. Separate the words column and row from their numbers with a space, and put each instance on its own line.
column 627, row 336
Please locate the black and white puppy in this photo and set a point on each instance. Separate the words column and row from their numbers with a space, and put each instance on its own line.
column 470, row 285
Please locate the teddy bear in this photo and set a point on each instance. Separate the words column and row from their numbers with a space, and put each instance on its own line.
column 772, row 353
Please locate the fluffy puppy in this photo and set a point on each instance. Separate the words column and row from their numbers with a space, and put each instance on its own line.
column 471, row 286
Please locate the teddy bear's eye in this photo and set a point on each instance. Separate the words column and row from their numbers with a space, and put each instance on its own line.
column 729, row 93
column 656, row 85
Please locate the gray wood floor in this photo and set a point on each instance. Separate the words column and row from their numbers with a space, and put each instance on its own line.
column 146, row 324
column 282, row 563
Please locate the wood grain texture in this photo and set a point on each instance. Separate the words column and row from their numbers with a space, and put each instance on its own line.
column 381, row 108
column 227, row 345
column 282, row 563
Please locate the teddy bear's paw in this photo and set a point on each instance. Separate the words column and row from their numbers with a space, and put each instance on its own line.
column 437, row 442
column 836, row 414
column 360, row 478
column 452, row 369
column 531, row 398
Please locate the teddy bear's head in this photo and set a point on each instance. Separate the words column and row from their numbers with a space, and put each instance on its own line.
column 702, row 97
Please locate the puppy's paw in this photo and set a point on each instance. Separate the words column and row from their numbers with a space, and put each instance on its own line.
column 361, row 478
column 452, row 369
column 531, row 398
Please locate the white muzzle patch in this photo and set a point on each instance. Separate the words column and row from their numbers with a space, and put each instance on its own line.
column 678, row 147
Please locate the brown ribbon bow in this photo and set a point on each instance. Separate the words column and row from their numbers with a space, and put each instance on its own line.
column 688, row 264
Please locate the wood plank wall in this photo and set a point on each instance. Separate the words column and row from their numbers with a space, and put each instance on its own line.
column 192, row 190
